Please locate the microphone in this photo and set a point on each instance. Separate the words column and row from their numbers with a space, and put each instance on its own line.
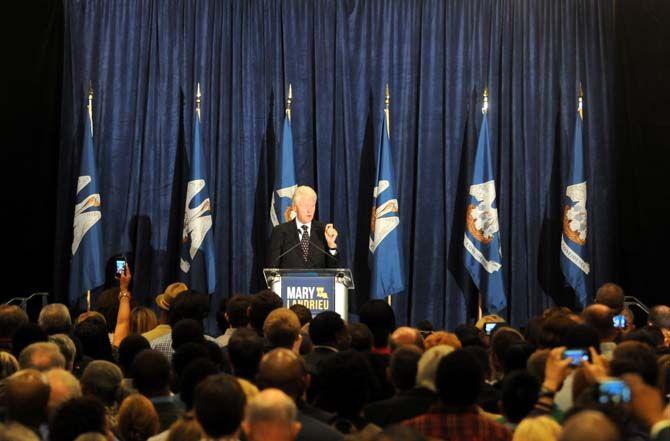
column 278, row 258
column 322, row 250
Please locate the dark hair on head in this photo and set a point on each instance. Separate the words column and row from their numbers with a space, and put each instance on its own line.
column 582, row 336
column 303, row 313
column 11, row 317
column 325, row 327
column 192, row 375
column 187, row 331
column 219, row 405
column 516, row 357
column 187, row 353
column 151, row 373
column 361, row 337
column 459, row 379
column 554, row 329
column 502, row 340
column 520, row 391
column 94, row 339
column 659, row 316
column 237, row 310
column 218, row 357
column 380, row 318
column 107, row 304
column 482, row 357
column 128, row 349
column 649, row 335
column 77, row 416
column 635, row 358
column 245, row 349
column 262, row 304
column 469, row 335
column 189, row 304
column 345, row 384
column 25, row 335
column 403, row 367
column 221, row 320
column 611, row 295
column 533, row 331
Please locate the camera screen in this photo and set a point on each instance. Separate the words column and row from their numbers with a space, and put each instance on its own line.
column 614, row 392
column 488, row 328
column 619, row 321
column 120, row 266
column 577, row 355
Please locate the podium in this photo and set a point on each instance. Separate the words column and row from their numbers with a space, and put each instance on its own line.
column 319, row 290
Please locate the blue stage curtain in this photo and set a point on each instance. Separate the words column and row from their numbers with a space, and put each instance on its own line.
column 144, row 59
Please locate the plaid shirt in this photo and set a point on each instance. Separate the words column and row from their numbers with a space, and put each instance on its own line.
column 469, row 425
column 163, row 345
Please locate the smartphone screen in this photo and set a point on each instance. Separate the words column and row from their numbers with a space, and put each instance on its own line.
column 488, row 328
column 613, row 392
column 619, row 321
column 578, row 355
column 120, row 266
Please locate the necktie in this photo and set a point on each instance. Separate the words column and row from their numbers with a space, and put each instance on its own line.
column 304, row 242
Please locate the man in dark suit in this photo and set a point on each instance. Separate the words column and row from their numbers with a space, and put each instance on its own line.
column 303, row 242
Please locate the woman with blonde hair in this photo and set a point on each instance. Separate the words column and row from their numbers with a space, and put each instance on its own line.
column 142, row 319
column 137, row 419
column 542, row 428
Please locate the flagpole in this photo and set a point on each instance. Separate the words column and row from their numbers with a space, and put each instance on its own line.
column 480, row 300
column 197, row 100
column 387, row 113
column 288, row 102
column 89, row 106
column 580, row 102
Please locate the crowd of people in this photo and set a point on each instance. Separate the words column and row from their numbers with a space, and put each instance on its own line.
column 122, row 372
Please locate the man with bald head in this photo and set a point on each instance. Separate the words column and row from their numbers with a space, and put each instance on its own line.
column 405, row 335
column 284, row 370
column 612, row 295
column 589, row 425
column 271, row 416
column 41, row 356
column 600, row 317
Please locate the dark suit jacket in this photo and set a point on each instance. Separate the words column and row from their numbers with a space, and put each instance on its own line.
column 285, row 236
column 315, row 430
column 402, row 406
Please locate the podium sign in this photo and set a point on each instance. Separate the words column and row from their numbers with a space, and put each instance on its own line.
column 316, row 293
column 317, row 289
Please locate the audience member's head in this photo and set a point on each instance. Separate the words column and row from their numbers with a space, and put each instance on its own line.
column 537, row 364
column 194, row 372
column 459, row 379
column 442, row 338
column 142, row 319
column 137, row 419
column 55, row 318
column 128, row 349
column 345, row 383
column 188, row 305
column 26, row 397
column 483, row 358
column 164, row 300
column 427, row 367
column 186, row 428
column 361, row 337
column 151, row 374
column 261, row 305
column 328, row 329
column 102, row 379
column 187, row 353
column 8, row 365
column 583, row 336
column 659, row 316
column 42, row 356
column 245, row 350
column 533, row 330
column 271, row 416
column 403, row 367
column 516, row 357
column 542, row 428
column 404, row 336
column 501, row 341
column 11, row 317
column 187, row 331
column 554, row 329
column 17, row 432
column 612, row 296
column 63, row 386
column 589, row 425
column 601, row 316
column 284, row 370
column 664, row 374
column 77, row 416
column 236, row 311
column 520, row 391
column 380, row 319
column 282, row 328
column 107, row 304
column 219, row 405
column 649, row 335
column 469, row 335
column 92, row 333
column 303, row 313
column 67, row 347
column 632, row 357
column 25, row 335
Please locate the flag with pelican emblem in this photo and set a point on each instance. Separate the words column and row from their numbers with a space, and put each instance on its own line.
column 197, row 266
column 385, row 259
column 87, row 264
column 284, row 186
column 574, row 252
column 483, row 254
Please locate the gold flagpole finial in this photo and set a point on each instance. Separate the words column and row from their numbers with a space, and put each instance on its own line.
column 485, row 104
column 289, row 99
column 580, row 101
column 387, row 110
column 89, row 106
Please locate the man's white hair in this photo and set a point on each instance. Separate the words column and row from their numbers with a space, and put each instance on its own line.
column 427, row 367
column 41, row 356
column 64, row 386
column 271, row 406
column 54, row 316
column 302, row 192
